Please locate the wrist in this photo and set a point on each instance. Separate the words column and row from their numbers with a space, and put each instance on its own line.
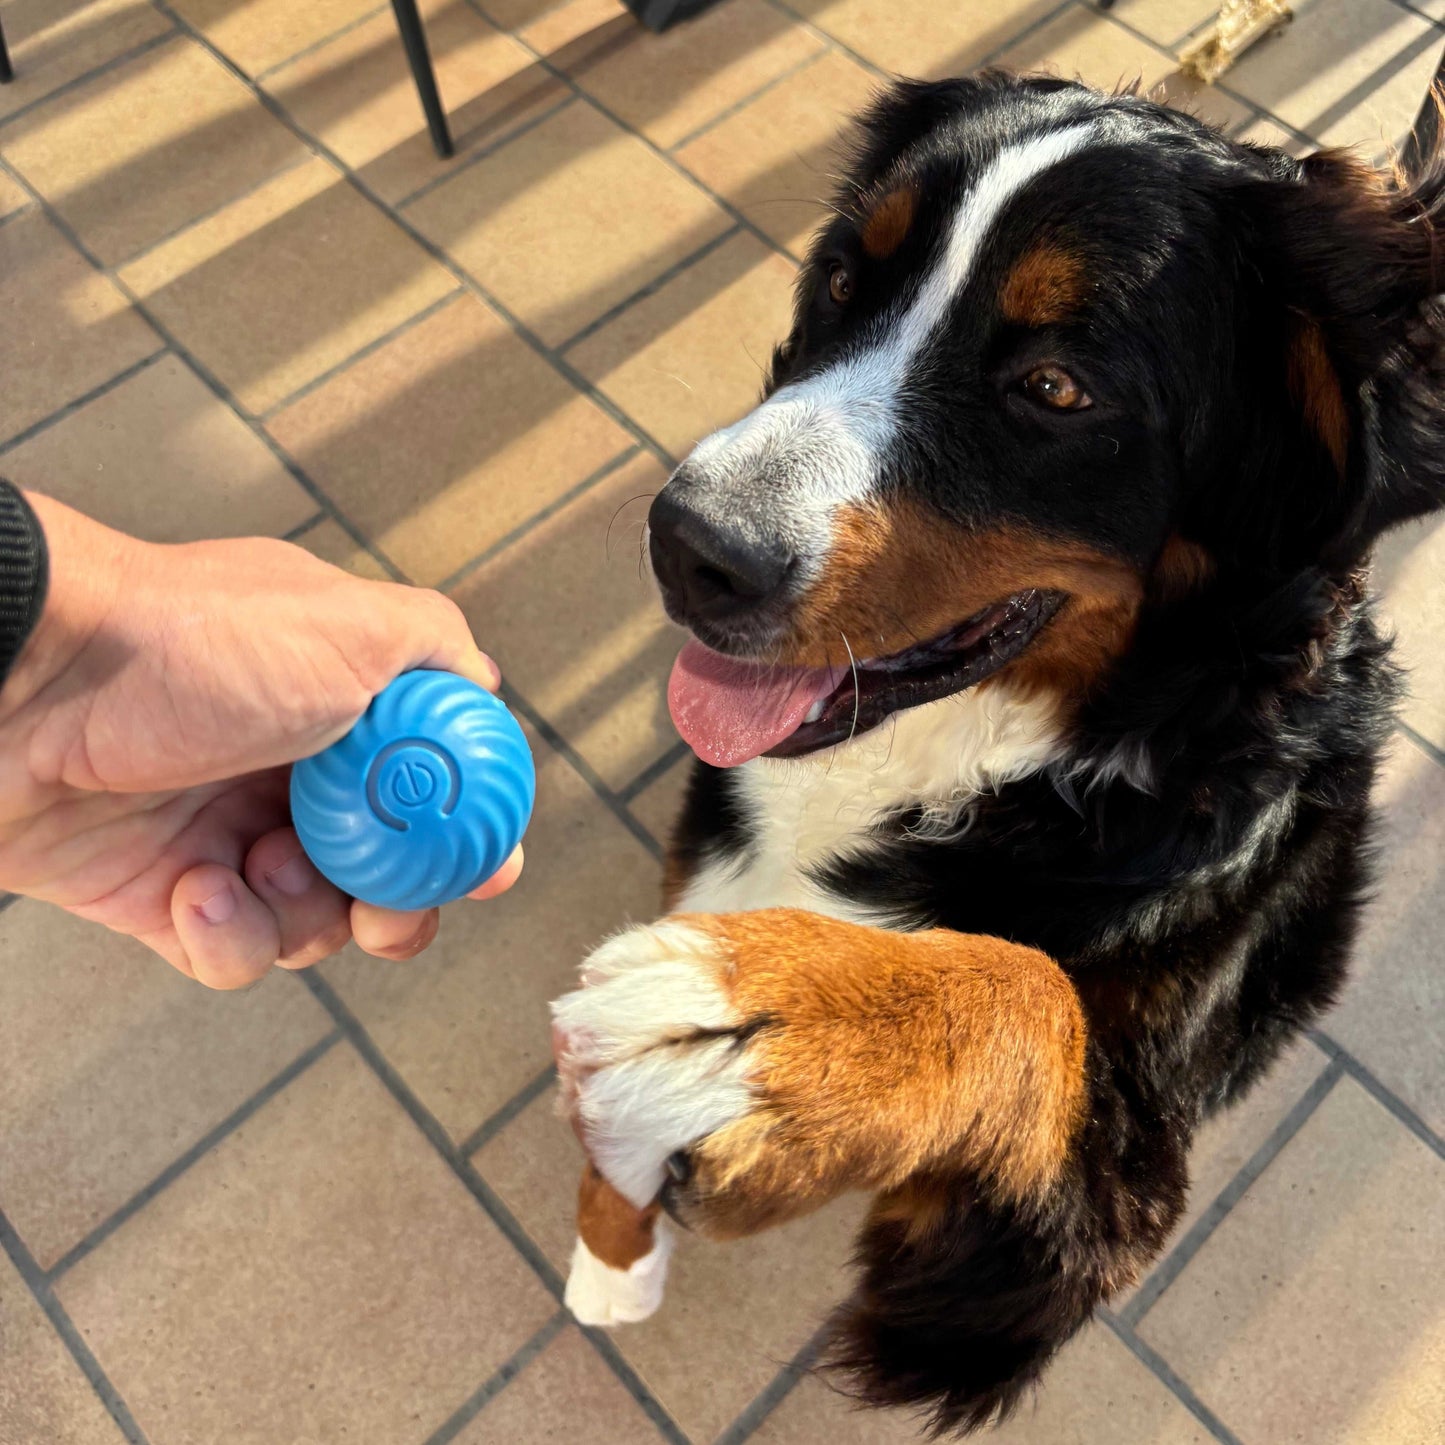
column 83, row 563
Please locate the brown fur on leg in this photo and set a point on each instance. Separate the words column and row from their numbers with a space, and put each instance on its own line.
column 877, row 1055
column 613, row 1228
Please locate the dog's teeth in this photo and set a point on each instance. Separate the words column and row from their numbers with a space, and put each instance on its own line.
column 815, row 712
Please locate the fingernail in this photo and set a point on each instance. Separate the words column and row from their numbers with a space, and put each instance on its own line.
column 495, row 670
column 293, row 877
column 218, row 907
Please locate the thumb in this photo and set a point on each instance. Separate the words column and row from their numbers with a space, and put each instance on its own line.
column 439, row 636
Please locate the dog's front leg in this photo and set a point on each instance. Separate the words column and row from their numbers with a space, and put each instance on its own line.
column 749, row 1067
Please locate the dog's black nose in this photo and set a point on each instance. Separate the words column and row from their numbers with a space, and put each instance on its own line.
column 710, row 568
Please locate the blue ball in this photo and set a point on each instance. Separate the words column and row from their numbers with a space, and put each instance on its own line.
column 423, row 800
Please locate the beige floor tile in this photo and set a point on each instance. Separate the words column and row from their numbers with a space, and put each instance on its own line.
column 67, row 329
column 1095, row 1393
column 442, row 441
column 629, row 217
column 1166, row 22
column 53, row 42
column 1392, row 1016
column 140, row 151
column 1085, row 44
column 922, row 38
column 257, row 34
column 691, row 357
column 668, row 85
column 1409, row 566
column 116, row 1064
column 577, row 626
column 1266, row 132
column 744, row 1308
column 43, row 1395
column 357, row 96
column 775, row 160
column 657, row 806
column 566, row 1395
column 514, row 14
column 467, row 1023
column 320, row 1276
column 331, row 543
column 1313, row 1312
column 285, row 283
column 1227, row 1142
column 1344, row 71
column 12, row 196
column 162, row 458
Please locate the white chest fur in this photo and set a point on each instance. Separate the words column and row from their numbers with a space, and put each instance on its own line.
column 805, row 812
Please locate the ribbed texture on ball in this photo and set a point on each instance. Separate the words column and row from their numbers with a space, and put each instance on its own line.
column 423, row 800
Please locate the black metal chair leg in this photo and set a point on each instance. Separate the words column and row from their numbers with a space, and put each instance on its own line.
column 413, row 37
column 6, row 73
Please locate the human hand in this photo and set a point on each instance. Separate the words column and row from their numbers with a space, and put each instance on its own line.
column 148, row 727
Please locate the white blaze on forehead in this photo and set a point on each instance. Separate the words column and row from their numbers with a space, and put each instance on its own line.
column 821, row 440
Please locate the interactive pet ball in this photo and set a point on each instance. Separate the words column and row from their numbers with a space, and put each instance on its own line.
column 423, row 800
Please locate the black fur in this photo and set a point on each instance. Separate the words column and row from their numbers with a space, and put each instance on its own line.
column 1198, row 861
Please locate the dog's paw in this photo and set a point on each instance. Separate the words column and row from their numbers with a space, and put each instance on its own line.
column 603, row 1294
column 650, row 1052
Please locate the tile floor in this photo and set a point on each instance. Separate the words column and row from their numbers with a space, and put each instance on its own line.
column 240, row 295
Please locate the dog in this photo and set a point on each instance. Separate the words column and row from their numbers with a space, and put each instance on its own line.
column 1037, row 701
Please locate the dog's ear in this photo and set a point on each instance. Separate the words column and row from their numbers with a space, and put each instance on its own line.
column 1357, row 257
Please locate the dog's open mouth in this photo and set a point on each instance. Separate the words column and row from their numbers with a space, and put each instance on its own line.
column 730, row 711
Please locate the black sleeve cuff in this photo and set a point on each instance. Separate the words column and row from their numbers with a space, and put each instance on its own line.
column 24, row 572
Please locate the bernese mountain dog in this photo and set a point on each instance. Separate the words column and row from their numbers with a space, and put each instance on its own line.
column 1037, row 701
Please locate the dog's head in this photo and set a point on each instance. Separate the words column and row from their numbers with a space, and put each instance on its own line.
column 1059, row 356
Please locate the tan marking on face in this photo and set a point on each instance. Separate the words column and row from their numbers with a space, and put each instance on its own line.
column 898, row 574
column 1047, row 285
column 1183, row 568
column 880, row 1055
column 615, row 1230
column 889, row 221
column 1315, row 385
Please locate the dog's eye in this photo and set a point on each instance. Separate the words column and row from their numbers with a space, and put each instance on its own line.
column 1053, row 387
column 840, row 285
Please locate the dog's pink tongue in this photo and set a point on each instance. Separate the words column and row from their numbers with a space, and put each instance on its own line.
column 729, row 712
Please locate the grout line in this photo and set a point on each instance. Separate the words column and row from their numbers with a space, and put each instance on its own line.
column 737, row 106
column 669, row 160
column 774, row 1392
column 481, row 1191
column 218, row 387
column 261, row 76
column 580, row 765
column 75, row 82
column 1182, row 1254
column 1410, row 9
column 1381, row 1094
column 150, row 247
column 653, row 771
column 437, row 253
column 489, row 1128
column 71, row 407
column 361, row 353
column 663, row 278
column 302, row 528
column 1165, row 1373
column 201, row 1147
column 27, row 209
column 61, row 1323
column 466, row 162
column 537, row 518
column 470, row 1408
column 1432, row 752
